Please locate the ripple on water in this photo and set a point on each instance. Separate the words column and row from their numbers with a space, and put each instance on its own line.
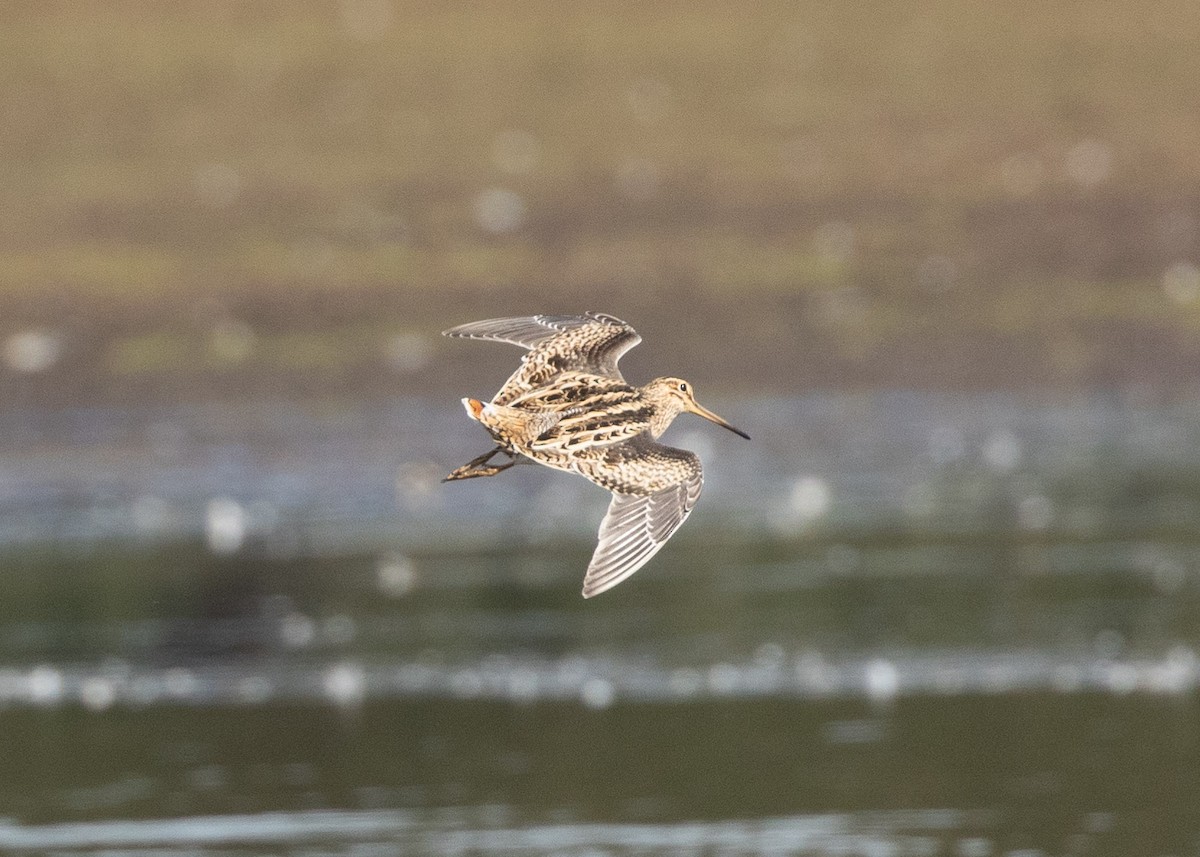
column 481, row 830
column 598, row 681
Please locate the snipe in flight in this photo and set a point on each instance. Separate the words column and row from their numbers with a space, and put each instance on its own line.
column 568, row 407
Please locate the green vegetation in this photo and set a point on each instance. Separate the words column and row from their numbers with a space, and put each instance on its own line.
column 901, row 188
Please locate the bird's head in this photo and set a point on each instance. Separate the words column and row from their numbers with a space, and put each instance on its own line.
column 674, row 396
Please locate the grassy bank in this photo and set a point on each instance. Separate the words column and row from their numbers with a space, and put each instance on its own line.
column 960, row 195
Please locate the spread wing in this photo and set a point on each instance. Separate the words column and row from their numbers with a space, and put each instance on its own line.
column 654, row 490
column 591, row 343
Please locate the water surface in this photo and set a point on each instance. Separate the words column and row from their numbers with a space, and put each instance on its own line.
column 896, row 624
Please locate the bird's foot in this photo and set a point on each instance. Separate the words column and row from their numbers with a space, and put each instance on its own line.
column 479, row 466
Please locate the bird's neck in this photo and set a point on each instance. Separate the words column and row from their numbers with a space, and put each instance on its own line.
column 664, row 409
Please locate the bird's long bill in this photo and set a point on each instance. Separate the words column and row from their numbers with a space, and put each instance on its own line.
column 702, row 411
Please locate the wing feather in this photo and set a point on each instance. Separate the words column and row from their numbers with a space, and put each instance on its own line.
column 524, row 331
column 592, row 343
column 638, row 524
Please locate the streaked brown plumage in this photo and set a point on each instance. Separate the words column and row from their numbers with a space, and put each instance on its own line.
column 568, row 407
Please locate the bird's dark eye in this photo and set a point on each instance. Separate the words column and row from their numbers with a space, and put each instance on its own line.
column 683, row 386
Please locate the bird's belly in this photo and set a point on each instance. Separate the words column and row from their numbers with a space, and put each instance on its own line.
column 561, row 426
column 571, row 450
column 590, row 429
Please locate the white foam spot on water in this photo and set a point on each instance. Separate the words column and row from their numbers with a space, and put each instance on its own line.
column 466, row 683
column 1181, row 282
column 685, row 682
column 32, row 351
column 882, row 679
column 571, row 671
column 815, row 674
column 97, row 693
column 949, row 680
column 975, row 846
column 999, row 678
column 45, row 685
column 345, row 684
column 499, row 210
column 396, row 576
column 523, row 684
column 1121, row 678
column 407, row 352
column 1176, row 673
column 597, row 693
column 1089, row 162
column 810, row 498
column 1002, row 450
column 297, row 630
column 1067, row 678
column 180, row 683
column 416, row 482
column 254, row 689
column 1035, row 512
column 722, row 678
column 224, row 525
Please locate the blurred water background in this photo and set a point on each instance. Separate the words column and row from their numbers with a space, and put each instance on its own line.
column 941, row 262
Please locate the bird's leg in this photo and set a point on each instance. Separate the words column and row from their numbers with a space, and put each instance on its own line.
column 479, row 466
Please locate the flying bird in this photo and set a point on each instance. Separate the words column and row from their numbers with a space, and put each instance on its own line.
column 568, row 407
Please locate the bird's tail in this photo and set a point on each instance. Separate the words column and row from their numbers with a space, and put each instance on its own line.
column 509, row 423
